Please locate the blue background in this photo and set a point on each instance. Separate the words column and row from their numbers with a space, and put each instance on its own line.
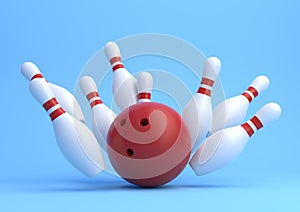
column 251, row 38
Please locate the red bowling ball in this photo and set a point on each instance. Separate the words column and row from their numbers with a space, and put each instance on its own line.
column 149, row 144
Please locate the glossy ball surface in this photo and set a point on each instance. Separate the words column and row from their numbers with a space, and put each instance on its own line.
column 148, row 144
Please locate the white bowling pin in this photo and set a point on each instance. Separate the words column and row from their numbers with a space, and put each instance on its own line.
column 30, row 71
column 144, row 86
column 226, row 145
column 124, row 84
column 197, row 114
column 102, row 116
column 233, row 111
column 77, row 143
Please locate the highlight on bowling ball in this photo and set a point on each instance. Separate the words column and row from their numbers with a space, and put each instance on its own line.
column 149, row 144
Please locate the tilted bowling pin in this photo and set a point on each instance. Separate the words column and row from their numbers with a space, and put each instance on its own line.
column 144, row 86
column 233, row 111
column 30, row 71
column 124, row 84
column 197, row 114
column 102, row 116
column 77, row 143
column 226, row 145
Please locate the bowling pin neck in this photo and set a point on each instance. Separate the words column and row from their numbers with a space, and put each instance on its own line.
column 206, row 86
column 89, row 89
column 144, row 86
column 144, row 97
column 264, row 116
column 252, row 125
column 113, row 54
column 42, row 92
column 116, row 63
column 258, row 85
column 250, row 93
column 211, row 71
column 30, row 71
column 53, row 108
column 94, row 99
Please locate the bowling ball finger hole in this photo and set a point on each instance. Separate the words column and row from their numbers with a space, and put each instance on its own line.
column 130, row 152
column 123, row 122
column 144, row 122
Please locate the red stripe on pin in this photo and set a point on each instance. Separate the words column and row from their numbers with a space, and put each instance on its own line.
column 256, row 122
column 204, row 91
column 144, row 95
column 247, row 96
column 207, row 81
column 248, row 129
column 50, row 103
column 115, row 59
column 56, row 113
column 37, row 76
column 92, row 95
column 253, row 91
column 96, row 102
column 116, row 67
